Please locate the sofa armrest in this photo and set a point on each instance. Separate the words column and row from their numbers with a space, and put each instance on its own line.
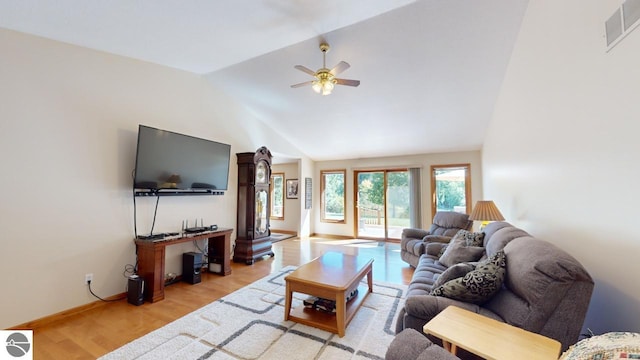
column 434, row 248
column 437, row 238
column 426, row 307
column 411, row 233
column 412, row 345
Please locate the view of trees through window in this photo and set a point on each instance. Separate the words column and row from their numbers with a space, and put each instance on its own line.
column 277, row 196
column 333, row 195
column 383, row 205
column 451, row 188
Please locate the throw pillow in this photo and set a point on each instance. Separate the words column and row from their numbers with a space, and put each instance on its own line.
column 457, row 252
column 479, row 285
column 471, row 238
column 444, row 248
column 454, row 272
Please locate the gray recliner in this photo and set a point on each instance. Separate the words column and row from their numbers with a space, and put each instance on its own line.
column 445, row 225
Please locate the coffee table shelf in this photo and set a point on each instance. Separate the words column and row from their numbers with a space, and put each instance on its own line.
column 327, row 321
column 331, row 276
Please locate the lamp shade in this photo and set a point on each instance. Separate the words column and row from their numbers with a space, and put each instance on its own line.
column 486, row 210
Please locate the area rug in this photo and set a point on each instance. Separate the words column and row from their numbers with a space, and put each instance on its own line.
column 249, row 324
column 275, row 237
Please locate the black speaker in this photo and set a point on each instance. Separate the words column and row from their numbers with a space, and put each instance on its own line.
column 191, row 267
column 135, row 293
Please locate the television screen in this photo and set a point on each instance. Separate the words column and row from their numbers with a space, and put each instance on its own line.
column 168, row 160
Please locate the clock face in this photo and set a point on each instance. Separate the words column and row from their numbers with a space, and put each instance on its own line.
column 261, row 172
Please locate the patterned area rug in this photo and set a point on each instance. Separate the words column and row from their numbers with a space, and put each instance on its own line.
column 248, row 324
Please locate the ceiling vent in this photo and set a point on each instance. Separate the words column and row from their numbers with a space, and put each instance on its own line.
column 622, row 22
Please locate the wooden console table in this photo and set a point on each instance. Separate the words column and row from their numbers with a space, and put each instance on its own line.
column 151, row 258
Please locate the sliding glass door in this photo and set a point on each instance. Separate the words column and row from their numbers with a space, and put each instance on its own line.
column 382, row 203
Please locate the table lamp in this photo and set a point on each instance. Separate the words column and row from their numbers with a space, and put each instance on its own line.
column 485, row 211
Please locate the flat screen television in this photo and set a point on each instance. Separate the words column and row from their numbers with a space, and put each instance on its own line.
column 170, row 162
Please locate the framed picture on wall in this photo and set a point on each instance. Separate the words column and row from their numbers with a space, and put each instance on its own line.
column 292, row 188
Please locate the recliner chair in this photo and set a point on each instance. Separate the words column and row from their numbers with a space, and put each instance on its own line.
column 445, row 225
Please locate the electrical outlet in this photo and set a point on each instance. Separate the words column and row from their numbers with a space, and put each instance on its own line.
column 88, row 278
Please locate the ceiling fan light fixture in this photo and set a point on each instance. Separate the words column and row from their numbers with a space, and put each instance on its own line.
column 327, row 87
column 324, row 83
column 325, row 79
column 317, row 87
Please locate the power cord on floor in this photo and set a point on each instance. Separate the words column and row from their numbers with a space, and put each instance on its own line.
column 92, row 293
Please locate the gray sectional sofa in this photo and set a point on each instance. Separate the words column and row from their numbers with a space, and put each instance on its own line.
column 544, row 289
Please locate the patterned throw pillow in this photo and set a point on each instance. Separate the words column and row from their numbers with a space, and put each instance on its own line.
column 479, row 285
column 471, row 238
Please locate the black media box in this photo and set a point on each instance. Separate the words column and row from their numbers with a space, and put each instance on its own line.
column 135, row 293
column 191, row 267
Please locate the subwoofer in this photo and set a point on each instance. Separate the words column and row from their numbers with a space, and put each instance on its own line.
column 191, row 267
column 135, row 290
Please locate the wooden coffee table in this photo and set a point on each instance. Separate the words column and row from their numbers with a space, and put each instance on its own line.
column 331, row 276
column 489, row 338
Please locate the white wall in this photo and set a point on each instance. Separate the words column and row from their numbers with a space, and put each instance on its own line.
column 307, row 216
column 291, row 220
column 68, row 129
column 561, row 155
column 424, row 162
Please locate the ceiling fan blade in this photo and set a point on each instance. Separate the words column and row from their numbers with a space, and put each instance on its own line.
column 347, row 82
column 342, row 66
column 302, row 84
column 305, row 69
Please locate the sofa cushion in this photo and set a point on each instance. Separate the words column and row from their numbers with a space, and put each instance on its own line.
column 471, row 238
column 479, row 285
column 457, row 251
column 502, row 237
column 454, row 272
column 448, row 223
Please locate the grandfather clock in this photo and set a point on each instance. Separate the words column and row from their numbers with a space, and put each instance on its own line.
column 254, row 237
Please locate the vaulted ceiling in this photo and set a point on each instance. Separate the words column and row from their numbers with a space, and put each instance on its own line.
column 430, row 70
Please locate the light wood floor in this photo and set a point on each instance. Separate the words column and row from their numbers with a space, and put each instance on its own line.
column 102, row 329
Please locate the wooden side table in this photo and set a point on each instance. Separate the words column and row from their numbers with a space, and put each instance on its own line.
column 489, row 338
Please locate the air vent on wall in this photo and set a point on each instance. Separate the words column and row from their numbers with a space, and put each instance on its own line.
column 622, row 22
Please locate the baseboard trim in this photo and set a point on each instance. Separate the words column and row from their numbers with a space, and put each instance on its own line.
column 49, row 319
column 288, row 232
column 329, row 236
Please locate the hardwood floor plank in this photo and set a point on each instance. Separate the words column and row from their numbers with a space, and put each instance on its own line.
column 100, row 329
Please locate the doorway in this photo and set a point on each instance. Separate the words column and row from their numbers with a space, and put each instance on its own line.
column 382, row 205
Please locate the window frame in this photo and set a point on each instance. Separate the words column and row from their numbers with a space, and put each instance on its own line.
column 467, row 185
column 272, row 195
column 323, row 184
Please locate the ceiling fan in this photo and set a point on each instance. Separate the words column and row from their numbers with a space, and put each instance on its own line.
column 326, row 79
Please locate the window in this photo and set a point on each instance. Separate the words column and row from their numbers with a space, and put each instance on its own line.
column 451, row 188
column 332, row 195
column 276, row 191
column 383, row 203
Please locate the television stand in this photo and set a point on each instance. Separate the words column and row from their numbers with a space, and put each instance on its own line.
column 151, row 258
